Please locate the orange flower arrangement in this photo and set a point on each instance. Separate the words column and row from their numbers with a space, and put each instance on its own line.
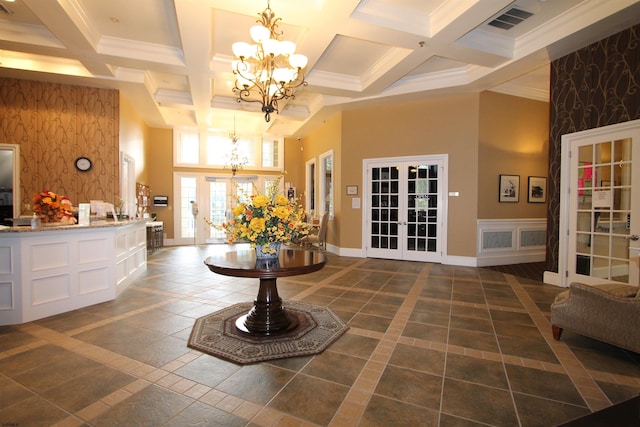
column 52, row 207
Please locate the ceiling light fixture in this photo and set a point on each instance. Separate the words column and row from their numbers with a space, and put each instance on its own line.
column 269, row 70
column 234, row 161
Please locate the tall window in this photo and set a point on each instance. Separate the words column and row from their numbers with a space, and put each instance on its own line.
column 270, row 153
column 188, row 148
column 213, row 149
column 326, row 183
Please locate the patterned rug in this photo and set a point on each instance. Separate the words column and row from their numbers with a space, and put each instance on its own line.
column 216, row 334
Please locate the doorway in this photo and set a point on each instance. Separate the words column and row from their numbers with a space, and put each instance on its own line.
column 405, row 207
column 599, row 211
column 9, row 183
column 199, row 196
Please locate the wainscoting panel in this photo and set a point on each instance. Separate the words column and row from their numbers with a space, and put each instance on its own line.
column 6, row 260
column 6, row 296
column 48, row 289
column 511, row 241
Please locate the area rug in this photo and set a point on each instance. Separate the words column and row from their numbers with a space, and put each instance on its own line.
column 216, row 334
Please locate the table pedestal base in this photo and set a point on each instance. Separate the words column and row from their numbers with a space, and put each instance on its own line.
column 267, row 317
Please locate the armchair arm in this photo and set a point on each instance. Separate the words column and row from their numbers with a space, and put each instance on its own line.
column 598, row 314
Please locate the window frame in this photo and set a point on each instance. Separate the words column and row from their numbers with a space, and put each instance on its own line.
column 258, row 142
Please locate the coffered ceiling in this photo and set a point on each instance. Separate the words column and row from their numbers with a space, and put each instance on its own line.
column 172, row 58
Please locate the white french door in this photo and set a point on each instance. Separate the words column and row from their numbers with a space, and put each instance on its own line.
column 199, row 196
column 405, row 208
column 600, row 216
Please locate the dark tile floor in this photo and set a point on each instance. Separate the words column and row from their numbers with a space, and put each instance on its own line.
column 428, row 345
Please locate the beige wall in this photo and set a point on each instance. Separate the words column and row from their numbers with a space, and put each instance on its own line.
column 429, row 127
column 294, row 163
column 160, row 166
column 483, row 134
column 443, row 126
column 514, row 140
column 134, row 137
column 328, row 137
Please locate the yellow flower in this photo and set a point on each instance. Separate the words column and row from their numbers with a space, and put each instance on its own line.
column 266, row 218
column 281, row 200
column 282, row 212
column 260, row 201
column 238, row 210
column 257, row 224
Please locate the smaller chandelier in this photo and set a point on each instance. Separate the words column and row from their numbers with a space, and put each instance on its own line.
column 269, row 70
column 234, row 161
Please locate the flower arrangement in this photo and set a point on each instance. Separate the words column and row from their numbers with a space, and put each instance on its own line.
column 52, row 207
column 265, row 220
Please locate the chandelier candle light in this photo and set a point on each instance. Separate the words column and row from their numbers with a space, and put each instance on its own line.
column 234, row 160
column 269, row 70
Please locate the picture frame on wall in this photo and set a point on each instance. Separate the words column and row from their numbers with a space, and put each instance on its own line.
column 537, row 192
column 352, row 190
column 509, row 189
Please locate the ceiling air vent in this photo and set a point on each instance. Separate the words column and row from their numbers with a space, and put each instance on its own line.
column 510, row 18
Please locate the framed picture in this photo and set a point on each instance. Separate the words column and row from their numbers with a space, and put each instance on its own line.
column 537, row 189
column 509, row 191
column 291, row 194
column 352, row 190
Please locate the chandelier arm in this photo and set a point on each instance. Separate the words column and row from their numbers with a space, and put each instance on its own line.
column 243, row 96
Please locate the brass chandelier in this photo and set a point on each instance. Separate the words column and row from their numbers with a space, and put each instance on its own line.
column 268, row 70
column 234, row 160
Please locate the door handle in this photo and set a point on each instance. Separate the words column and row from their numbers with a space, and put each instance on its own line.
column 633, row 237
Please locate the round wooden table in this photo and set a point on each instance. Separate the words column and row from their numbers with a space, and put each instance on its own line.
column 268, row 316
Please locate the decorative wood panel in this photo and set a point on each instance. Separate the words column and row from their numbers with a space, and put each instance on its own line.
column 590, row 88
column 54, row 124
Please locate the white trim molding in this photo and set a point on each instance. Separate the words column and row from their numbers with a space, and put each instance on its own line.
column 511, row 241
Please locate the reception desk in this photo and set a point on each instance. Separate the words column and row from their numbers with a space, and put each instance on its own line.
column 52, row 270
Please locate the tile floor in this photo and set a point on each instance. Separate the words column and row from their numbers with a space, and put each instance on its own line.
column 428, row 345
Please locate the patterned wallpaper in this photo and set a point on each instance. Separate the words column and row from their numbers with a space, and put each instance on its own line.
column 593, row 87
column 54, row 124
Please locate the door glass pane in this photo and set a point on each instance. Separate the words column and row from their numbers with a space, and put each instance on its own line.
column 384, row 208
column 422, row 204
column 244, row 190
column 218, row 207
column 187, row 198
column 603, row 192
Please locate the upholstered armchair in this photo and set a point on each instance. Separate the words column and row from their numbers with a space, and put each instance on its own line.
column 608, row 313
column 318, row 237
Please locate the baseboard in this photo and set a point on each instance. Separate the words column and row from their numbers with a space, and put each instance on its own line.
column 506, row 259
column 462, row 261
column 350, row 252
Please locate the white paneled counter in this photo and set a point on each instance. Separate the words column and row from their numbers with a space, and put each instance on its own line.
column 52, row 270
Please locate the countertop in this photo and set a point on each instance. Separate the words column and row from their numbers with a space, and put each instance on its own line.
column 55, row 226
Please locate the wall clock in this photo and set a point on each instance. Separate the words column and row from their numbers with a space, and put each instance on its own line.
column 83, row 164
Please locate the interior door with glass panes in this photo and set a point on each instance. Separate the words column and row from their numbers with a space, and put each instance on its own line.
column 603, row 209
column 405, row 206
